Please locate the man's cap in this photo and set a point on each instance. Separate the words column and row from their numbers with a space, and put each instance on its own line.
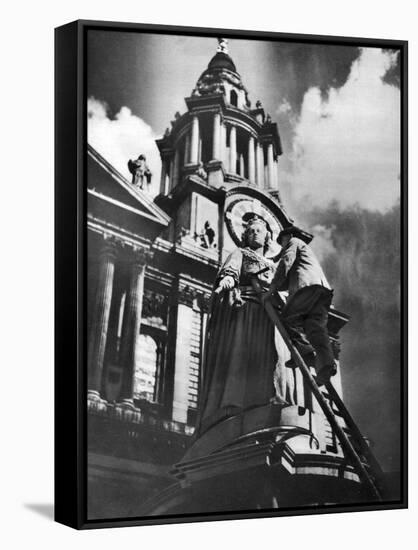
column 295, row 232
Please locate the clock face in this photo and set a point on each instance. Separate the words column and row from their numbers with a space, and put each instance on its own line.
column 240, row 208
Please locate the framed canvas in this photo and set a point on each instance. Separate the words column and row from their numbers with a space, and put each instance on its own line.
column 230, row 274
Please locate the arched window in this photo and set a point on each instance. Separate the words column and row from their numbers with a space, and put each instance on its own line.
column 234, row 98
column 145, row 368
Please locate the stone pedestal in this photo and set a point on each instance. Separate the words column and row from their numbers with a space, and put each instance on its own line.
column 267, row 458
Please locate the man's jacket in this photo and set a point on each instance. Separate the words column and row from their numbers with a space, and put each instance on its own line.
column 298, row 267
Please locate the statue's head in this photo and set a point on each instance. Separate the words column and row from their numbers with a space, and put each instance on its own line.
column 257, row 234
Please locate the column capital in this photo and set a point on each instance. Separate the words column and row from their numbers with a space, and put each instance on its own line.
column 141, row 256
column 186, row 295
column 109, row 247
column 155, row 304
column 203, row 301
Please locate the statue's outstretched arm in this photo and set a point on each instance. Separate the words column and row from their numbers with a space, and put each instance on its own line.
column 231, row 267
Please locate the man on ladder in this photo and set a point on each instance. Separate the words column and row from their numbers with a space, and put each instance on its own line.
column 305, row 314
column 303, row 326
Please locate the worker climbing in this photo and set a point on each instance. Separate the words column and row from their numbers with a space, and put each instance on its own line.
column 305, row 314
column 303, row 326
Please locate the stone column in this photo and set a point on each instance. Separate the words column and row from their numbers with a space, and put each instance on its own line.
column 225, row 147
column 171, row 172
column 194, row 145
column 260, row 165
column 241, row 166
column 276, row 174
column 270, row 165
column 100, row 324
column 216, row 153
column 182, row 355
column 187, row 149
column 251, row 160
column 132, row 324
column 233, row 150
column 176, row 168
column 163, row 183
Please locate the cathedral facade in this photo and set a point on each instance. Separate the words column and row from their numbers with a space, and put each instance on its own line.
column 151, row 269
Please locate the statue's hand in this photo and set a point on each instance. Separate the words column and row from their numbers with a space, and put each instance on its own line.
column 226, row 283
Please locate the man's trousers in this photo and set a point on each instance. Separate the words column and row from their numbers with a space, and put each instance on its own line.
column 305, row 317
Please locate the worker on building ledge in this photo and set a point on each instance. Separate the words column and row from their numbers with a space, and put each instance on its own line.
column 141, row 174
column 305, row 314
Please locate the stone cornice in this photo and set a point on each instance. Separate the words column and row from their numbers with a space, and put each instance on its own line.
column 127, row 207
column 122, row 237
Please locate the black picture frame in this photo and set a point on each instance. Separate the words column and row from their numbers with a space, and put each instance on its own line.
column 71, row 267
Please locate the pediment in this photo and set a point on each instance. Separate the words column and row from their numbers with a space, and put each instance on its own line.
column 106, row 183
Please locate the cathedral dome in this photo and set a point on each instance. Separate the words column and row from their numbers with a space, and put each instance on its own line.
column 222, row 60
column 221, row 77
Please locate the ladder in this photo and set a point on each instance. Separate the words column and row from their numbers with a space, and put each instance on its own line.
column 371, row 474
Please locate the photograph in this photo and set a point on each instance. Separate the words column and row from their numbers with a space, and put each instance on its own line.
column 244, row 274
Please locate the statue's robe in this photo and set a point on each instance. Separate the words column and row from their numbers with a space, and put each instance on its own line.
column 244, row 353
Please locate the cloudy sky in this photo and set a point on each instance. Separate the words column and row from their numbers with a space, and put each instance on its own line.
column 338, row 110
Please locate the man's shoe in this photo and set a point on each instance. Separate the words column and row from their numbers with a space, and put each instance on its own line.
column 324, row 375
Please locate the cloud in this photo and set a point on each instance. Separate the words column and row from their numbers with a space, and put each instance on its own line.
column 323, row 244
column 284, row 107
column 121, row 138
column 346, row 144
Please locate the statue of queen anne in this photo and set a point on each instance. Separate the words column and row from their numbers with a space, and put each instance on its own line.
column 244, row 363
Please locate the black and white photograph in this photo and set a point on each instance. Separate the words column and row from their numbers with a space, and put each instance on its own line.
column 209, row 255
column 243, row 275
